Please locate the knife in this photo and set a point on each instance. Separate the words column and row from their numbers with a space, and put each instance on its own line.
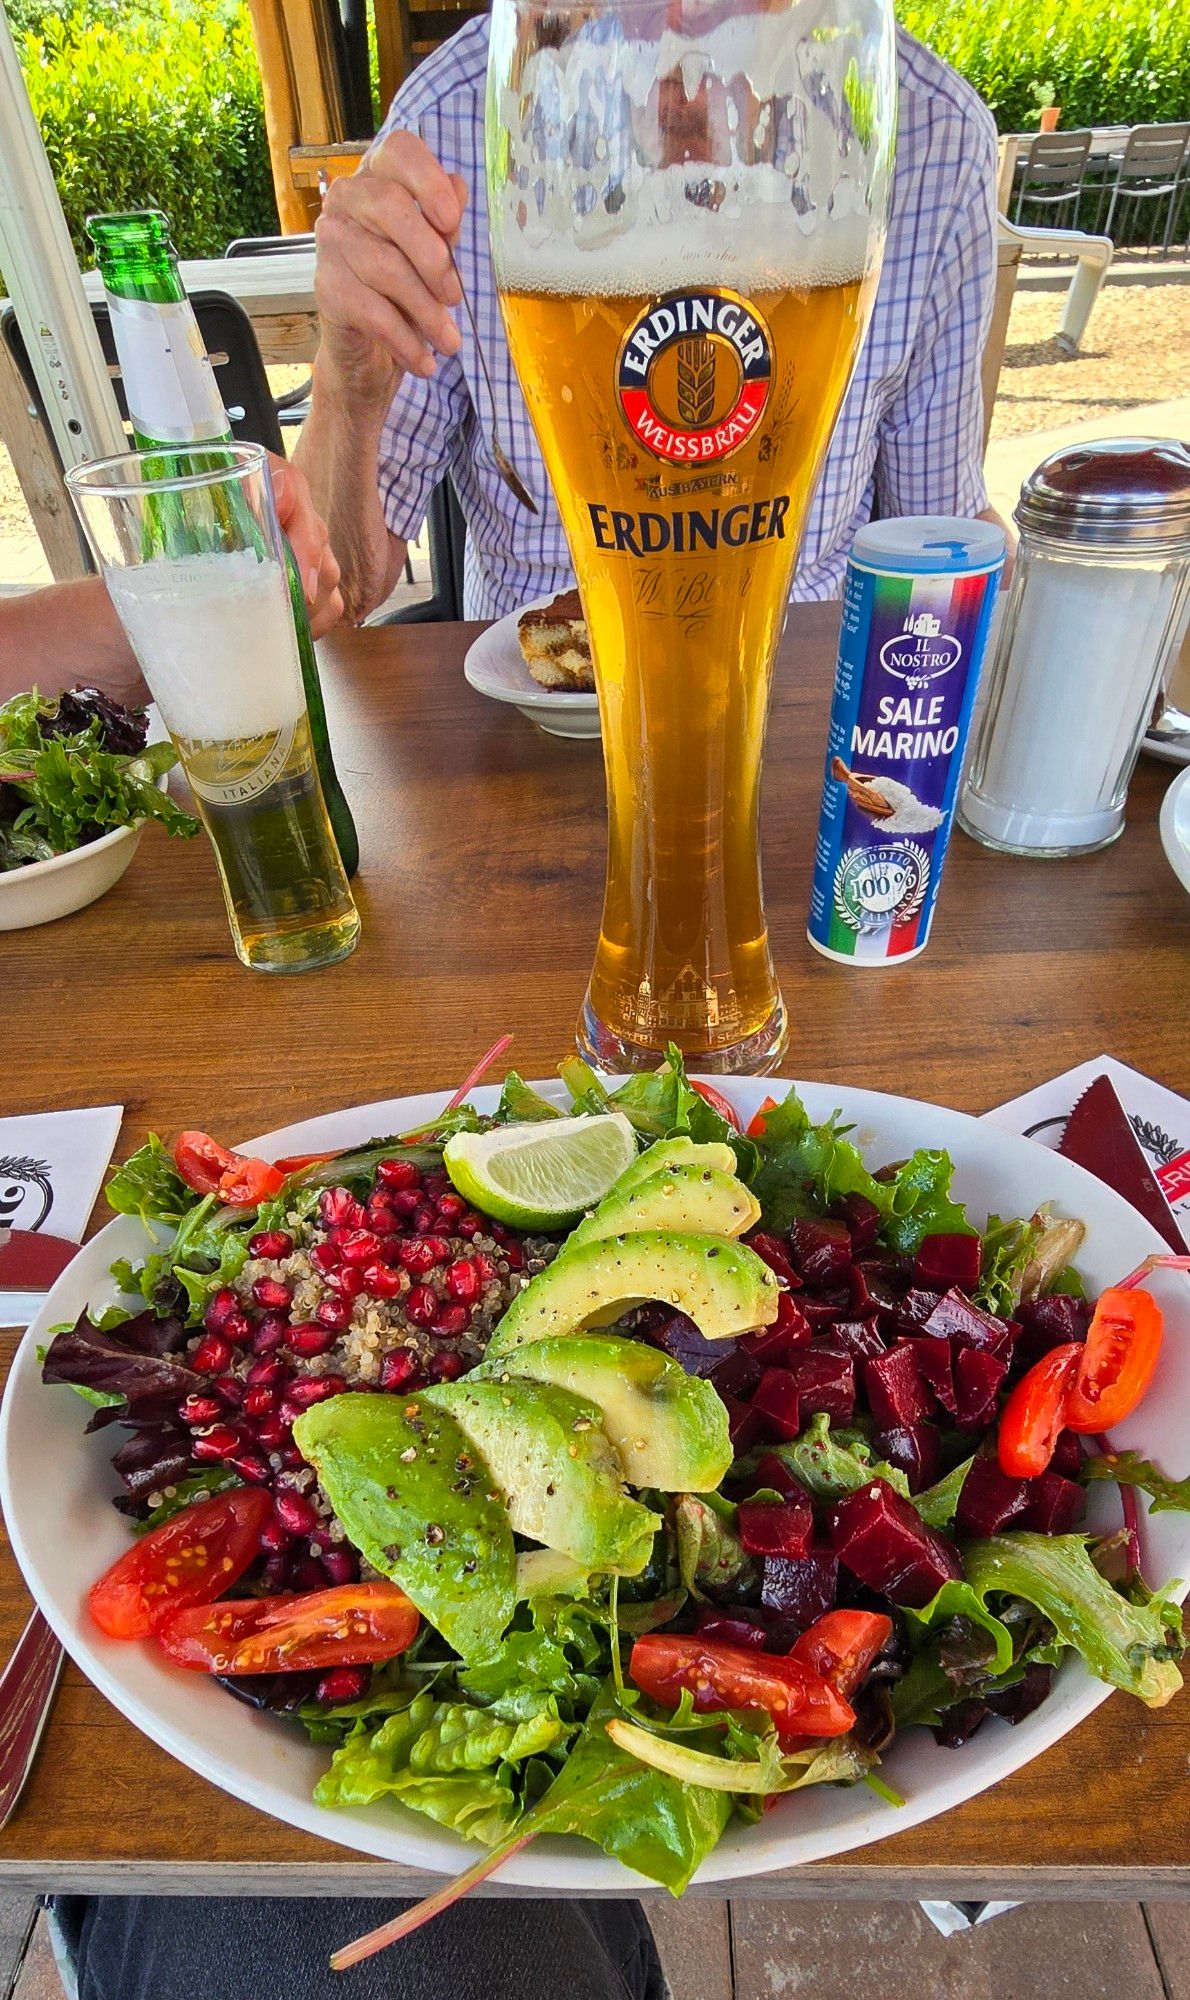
column 1099, row 1137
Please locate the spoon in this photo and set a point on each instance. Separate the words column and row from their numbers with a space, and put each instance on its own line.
column 504, row 465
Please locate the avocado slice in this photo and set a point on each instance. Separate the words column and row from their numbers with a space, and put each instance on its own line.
column 405, row 1481
column 669, row 1428
column 673, row 1153
column 677, row 1197
column 723, row 1287
column 557, row 1473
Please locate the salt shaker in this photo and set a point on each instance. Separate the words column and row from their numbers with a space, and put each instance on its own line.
column 1099, row 598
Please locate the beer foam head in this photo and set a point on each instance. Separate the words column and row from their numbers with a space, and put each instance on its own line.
column 788, row 183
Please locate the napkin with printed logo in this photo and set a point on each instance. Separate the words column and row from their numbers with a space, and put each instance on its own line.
column 52, row 1165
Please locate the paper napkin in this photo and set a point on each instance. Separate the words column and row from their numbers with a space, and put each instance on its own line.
column 52, row 1165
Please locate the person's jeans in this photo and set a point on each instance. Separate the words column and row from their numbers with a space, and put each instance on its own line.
column 203, row 1948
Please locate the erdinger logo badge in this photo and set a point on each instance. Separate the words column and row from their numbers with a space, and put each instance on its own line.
column 694, row 375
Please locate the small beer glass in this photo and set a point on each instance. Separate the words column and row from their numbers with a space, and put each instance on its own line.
column 189, row 548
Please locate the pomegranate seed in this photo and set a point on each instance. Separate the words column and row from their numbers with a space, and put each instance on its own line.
column 266, row 1373
column 297, row 1515
column 340, row 1566
column 272, row 1433
column 339, row 1209
column 435, row 1184
column 343, row 1684
column 315, row 1389
column 335, row 1313
column 212, row 1356
column 269, row 1333
column 252, row 1466
column 451, row 1206
column 275, row 1574
column 513, row 1256
column 362, row 1246
column 237, row 1328
column 398, row 1370
column 216, row 1445
column 485, row 1267
column 451, row 1321
column 274, row 1539
column 260, row 1402
column 439, row 1248
column 307, row 1574
column 325, row 1257
column 382, row 1281
column 471, row 1224
column 230, row 1388
column 425, row 1215
column 498, row 1233
column 380, row 1215
column 271, row 1295
column 272, row 1243
column 346, row 1283
column 310, row 1340
column 406, row 1203
column 291, row 1457
column 462, row 1281
column 400, row 1174
column 446, row 1367
column 415, row 1256
column 421, row 1304
column 224, row 1301
column 200, row 1409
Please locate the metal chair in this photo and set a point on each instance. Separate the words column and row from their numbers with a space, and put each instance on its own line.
column 448, row 543
column 294, row 406
column 1154, row 167
column 1052, row 180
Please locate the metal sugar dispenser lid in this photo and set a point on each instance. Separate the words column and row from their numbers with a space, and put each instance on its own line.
column 1130, row 495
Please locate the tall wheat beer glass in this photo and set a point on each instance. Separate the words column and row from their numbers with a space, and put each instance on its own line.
column 687, row 203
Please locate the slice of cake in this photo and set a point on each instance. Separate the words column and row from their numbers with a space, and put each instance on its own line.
column 555, row 645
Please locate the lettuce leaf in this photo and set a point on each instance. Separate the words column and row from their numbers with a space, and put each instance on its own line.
column 70, row 790
column 829, row 1466
column 660, row 1104
column 520, row 1104
column 149, row 1185
column 1128, row 1468
column 804, row 1168
column 936, row 1504
column 1024, row 1259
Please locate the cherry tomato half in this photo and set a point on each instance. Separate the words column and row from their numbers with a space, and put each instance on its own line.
column 189, row 1560
column 201, row 1161
column 842, row 1646
column 248, row 1182
column 1118, row 1362
column 760, row 1118
column 719, row 1103
column 351, row 1625
column 1036, row 1412
column 294, row 1163
column 798, row 1700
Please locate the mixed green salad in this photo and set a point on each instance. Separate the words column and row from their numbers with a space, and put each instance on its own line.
column 74, row 767
column 611, row 1472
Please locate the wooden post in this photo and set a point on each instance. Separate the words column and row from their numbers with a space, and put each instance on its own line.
column 303, row 100
column 1006, row 156
column 1008, row 258
column 39, row 474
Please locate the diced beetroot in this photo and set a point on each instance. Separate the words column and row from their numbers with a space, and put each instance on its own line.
column 977, row 1378
column 825, row 1380
column 790, row 1329
column 775, row 1405
column 822, row 1313
column 1016, row 1702
column 821, row 1250
column 743, row 1423
column 872, row 1291
column 946, row 1260
column 989, row 1499
column 773, row 1471
column 731, row 1631
column 916, row 1306
column 678, row 1337
column 863, row 1220
column 777, row 1527
column 958, row 1724
column 1068, row 1455
column 859, row 1337
column 968, row 1325
column 1049, row 1322
column 801, row 1591
column 935, row 1365
column 895, row 1391
column 772, row 1253
column 883, row 1541
column 1055, row 1505
column 737, row 1375
column 915, row 1450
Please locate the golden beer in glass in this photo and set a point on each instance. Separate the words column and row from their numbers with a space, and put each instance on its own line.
column 687, row 209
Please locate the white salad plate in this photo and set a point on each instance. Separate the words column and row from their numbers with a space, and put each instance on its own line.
column 56, row 1487
column 1175, row 828
column 495, row 666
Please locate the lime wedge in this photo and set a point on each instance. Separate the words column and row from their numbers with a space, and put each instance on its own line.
column 541, row 1176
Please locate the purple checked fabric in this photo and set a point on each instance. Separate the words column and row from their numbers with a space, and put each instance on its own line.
column 910, row 436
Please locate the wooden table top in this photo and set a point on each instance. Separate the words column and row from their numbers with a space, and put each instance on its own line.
column 483, row 846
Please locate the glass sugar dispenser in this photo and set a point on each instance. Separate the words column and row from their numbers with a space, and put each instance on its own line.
column 1099, row 600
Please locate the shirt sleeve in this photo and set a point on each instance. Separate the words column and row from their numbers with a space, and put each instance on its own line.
column 930, row 446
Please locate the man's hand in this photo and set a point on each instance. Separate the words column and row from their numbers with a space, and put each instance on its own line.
column 308, row 538
column 385, row 278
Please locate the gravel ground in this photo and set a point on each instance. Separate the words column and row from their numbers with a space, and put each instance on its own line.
column 1136, row 350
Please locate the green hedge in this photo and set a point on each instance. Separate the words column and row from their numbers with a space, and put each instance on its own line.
column 1119, row 62
column 156, row 105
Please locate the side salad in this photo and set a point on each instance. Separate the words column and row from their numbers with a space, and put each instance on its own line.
column 612, row 1473
column 74, row 767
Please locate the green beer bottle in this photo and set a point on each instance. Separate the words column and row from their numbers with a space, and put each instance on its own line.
column 174, row 402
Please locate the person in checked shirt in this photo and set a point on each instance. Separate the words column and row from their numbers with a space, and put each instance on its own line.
column 399, row 398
